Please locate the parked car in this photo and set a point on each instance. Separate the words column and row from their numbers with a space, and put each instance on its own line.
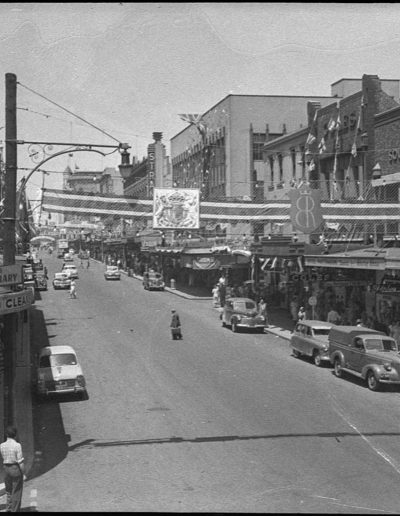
column 365, row 353
column 61, row 281
column 40, row 281
column 59, row 371
column 242, row 312
column 112, row 273
column 153, row 281
column 68, row 257
column 310, row 338
column 70, row 269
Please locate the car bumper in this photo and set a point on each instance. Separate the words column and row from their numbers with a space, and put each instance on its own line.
column 250, row 326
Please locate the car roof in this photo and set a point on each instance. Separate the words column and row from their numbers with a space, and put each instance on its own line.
column 69, row 265
column 241, row 299
column 59, row 274
column 56, row 350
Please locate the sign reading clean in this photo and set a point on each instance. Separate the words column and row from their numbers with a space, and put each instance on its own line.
column 15, row 301
column 10, row 274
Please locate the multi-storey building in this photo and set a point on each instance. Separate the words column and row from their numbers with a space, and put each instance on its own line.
column 223, row 156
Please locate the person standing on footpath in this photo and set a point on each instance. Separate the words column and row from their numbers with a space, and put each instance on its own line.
column 262, row 310
column 14, row 469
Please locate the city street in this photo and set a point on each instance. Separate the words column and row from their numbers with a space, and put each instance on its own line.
column 216, row 422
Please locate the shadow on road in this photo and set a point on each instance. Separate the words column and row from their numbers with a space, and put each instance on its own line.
column 50, row 439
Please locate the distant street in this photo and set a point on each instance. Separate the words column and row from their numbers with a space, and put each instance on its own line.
column 216, row 422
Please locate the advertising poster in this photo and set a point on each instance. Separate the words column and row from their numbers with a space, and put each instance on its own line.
column 176, row 208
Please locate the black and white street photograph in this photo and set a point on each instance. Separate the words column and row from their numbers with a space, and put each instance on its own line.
column 200, row 257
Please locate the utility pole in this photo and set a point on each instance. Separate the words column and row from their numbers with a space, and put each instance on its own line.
column 11, row 170
column 9, row 215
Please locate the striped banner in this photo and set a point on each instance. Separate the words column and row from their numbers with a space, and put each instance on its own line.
column 61, row 201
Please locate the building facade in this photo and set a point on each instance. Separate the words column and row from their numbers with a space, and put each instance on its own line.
column 223, row 155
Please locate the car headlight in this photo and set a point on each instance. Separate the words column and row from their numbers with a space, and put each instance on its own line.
column 238, row 317
column 387, row 366
column 325, row 348
column 81, row 380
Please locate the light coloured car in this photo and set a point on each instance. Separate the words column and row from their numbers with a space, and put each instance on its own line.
column 112, row 273
column 242, row 312
column 59, row 372
column 61, row 281
column 71, row 270
column 310, row 338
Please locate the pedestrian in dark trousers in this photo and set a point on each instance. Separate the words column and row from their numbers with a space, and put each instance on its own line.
column 88, row 263
column 175, row 326
column 14, row 469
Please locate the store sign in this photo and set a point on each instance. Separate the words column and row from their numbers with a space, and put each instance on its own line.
column 305, row 209
column 10, row 274
column 12, row 302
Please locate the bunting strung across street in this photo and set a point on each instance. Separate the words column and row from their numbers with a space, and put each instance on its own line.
column 60, row 201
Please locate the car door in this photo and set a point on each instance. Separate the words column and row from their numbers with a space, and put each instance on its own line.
column 356, row 354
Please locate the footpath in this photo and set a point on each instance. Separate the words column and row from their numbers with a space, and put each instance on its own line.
column 280, row 325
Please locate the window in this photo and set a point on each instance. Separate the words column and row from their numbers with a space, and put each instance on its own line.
column 258, row 145
column 64, row 359
column 44, row 362
column 280, row 161
column 271, row 166
column 293, row 156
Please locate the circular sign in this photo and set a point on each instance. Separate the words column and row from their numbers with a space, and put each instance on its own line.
column 312, row 301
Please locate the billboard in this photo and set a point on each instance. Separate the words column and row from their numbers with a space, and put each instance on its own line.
column 176, row 208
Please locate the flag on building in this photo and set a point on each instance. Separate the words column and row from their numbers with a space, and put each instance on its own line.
column 310, row 139
column 274, row 262
column 338, row 123
column 265, row 263
column 354, row 149
column 322, row 146
column 190, row 118
column 331, row 125
column 311, row 166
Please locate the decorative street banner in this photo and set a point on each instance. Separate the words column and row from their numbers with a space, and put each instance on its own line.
column 74, row 203
column 305, row 209
column 176, row 208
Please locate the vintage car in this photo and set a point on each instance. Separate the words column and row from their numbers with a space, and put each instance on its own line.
column 365, row 353
column 70, row 269
column 242, row 312
column 61, row 281
column 112, row 273
column 58, row 372
column 40, row 281
column 310, row 338
column 153, row 281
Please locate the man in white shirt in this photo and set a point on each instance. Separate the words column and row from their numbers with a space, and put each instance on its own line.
column 14, row 469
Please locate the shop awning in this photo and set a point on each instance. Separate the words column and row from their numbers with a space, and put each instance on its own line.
column 370, row 259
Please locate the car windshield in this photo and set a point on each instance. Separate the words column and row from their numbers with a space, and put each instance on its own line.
column 321, row 331
column 240, row 306
column 62, row 359
column 389, row 345
column 155, row 275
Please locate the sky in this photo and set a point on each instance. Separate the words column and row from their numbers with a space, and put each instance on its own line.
column 130, row 69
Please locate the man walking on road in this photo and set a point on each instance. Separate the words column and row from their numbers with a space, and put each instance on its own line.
column 14, row 469
column 175, row 325
column 72, row 290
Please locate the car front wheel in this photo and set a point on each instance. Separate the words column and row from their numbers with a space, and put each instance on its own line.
column 234, row 327
column 338, row 368
column 296, row 353
column 317, row 359
column 372, row 381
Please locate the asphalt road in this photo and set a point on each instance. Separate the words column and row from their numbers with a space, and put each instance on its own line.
column 217, row 422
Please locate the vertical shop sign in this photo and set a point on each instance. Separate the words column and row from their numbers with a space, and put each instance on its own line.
column 305, row 209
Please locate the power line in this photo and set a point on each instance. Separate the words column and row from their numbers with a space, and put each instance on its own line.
column 68, row 111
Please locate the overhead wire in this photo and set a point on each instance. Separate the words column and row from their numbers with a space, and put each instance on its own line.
column 69, row 112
